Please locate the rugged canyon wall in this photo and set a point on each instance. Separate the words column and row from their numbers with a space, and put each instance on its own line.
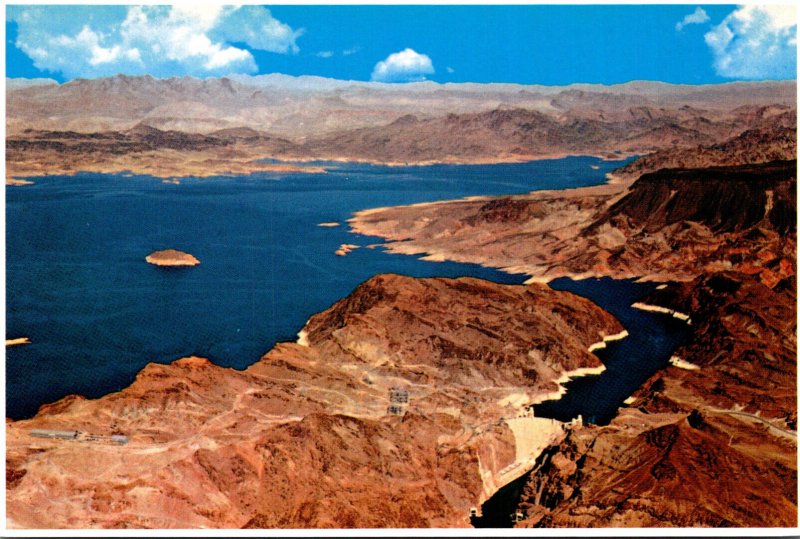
column 712, row 442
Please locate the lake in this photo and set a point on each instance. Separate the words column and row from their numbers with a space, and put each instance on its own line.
column 77, row 284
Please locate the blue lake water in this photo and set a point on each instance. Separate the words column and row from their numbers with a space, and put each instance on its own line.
column 96, row 312
column 629, row 362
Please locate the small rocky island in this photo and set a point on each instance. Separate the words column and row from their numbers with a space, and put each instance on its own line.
column 171, row 257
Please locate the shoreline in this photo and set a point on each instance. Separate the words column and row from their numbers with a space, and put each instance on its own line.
column 21, row 178
column 664, row 310
column 402, row 230
column 502, row 160
column 238, row 168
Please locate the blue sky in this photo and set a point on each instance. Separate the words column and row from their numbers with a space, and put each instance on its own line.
column 536, row 44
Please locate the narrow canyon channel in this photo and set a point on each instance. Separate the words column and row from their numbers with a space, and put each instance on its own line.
column 651, row 339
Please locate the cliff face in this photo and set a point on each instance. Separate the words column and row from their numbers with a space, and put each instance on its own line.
column 744, row 341
column 711, row 446
column 723, row 199
column 306, row 437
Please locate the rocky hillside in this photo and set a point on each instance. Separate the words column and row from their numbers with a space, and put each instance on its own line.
column 771, row 137
column 723, row 199
column 390, row 411
column 143, row 149
column 711, row 444
column 524, row 134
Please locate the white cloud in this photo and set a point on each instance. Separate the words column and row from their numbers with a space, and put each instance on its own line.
column 699, row 16
column 404, row 66
column 351, row 50
column 325, row 54
column 756, row 42
column 256, row 26
column 450, row 69
column 158, row 40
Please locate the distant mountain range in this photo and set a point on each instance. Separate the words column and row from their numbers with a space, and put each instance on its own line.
column 303, row 107
column 306, row 118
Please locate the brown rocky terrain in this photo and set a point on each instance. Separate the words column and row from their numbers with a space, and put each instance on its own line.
column 771, row 137
column 306, row 437
column 670, row 224
column 524, row 134
column 711, row 446
column 712, row 439
column 142, row 150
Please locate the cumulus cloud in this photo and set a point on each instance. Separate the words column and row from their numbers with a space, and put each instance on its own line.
column 256, row 26
column 404, row 66
column 92, row 41
column 699, row 16
column 756, row 42
column 325, row 54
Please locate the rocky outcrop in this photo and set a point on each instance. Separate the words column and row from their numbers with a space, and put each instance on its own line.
column 171, row 257
column 391, row 412
column 744, row 341
column 714, row 446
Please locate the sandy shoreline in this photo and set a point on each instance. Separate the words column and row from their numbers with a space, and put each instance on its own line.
column 171, row 165
column 18, row 176
column 664, row 310
column 494, row 160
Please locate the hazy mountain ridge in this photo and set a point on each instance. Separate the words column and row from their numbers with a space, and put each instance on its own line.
column 308, row 106
column 217, row 126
